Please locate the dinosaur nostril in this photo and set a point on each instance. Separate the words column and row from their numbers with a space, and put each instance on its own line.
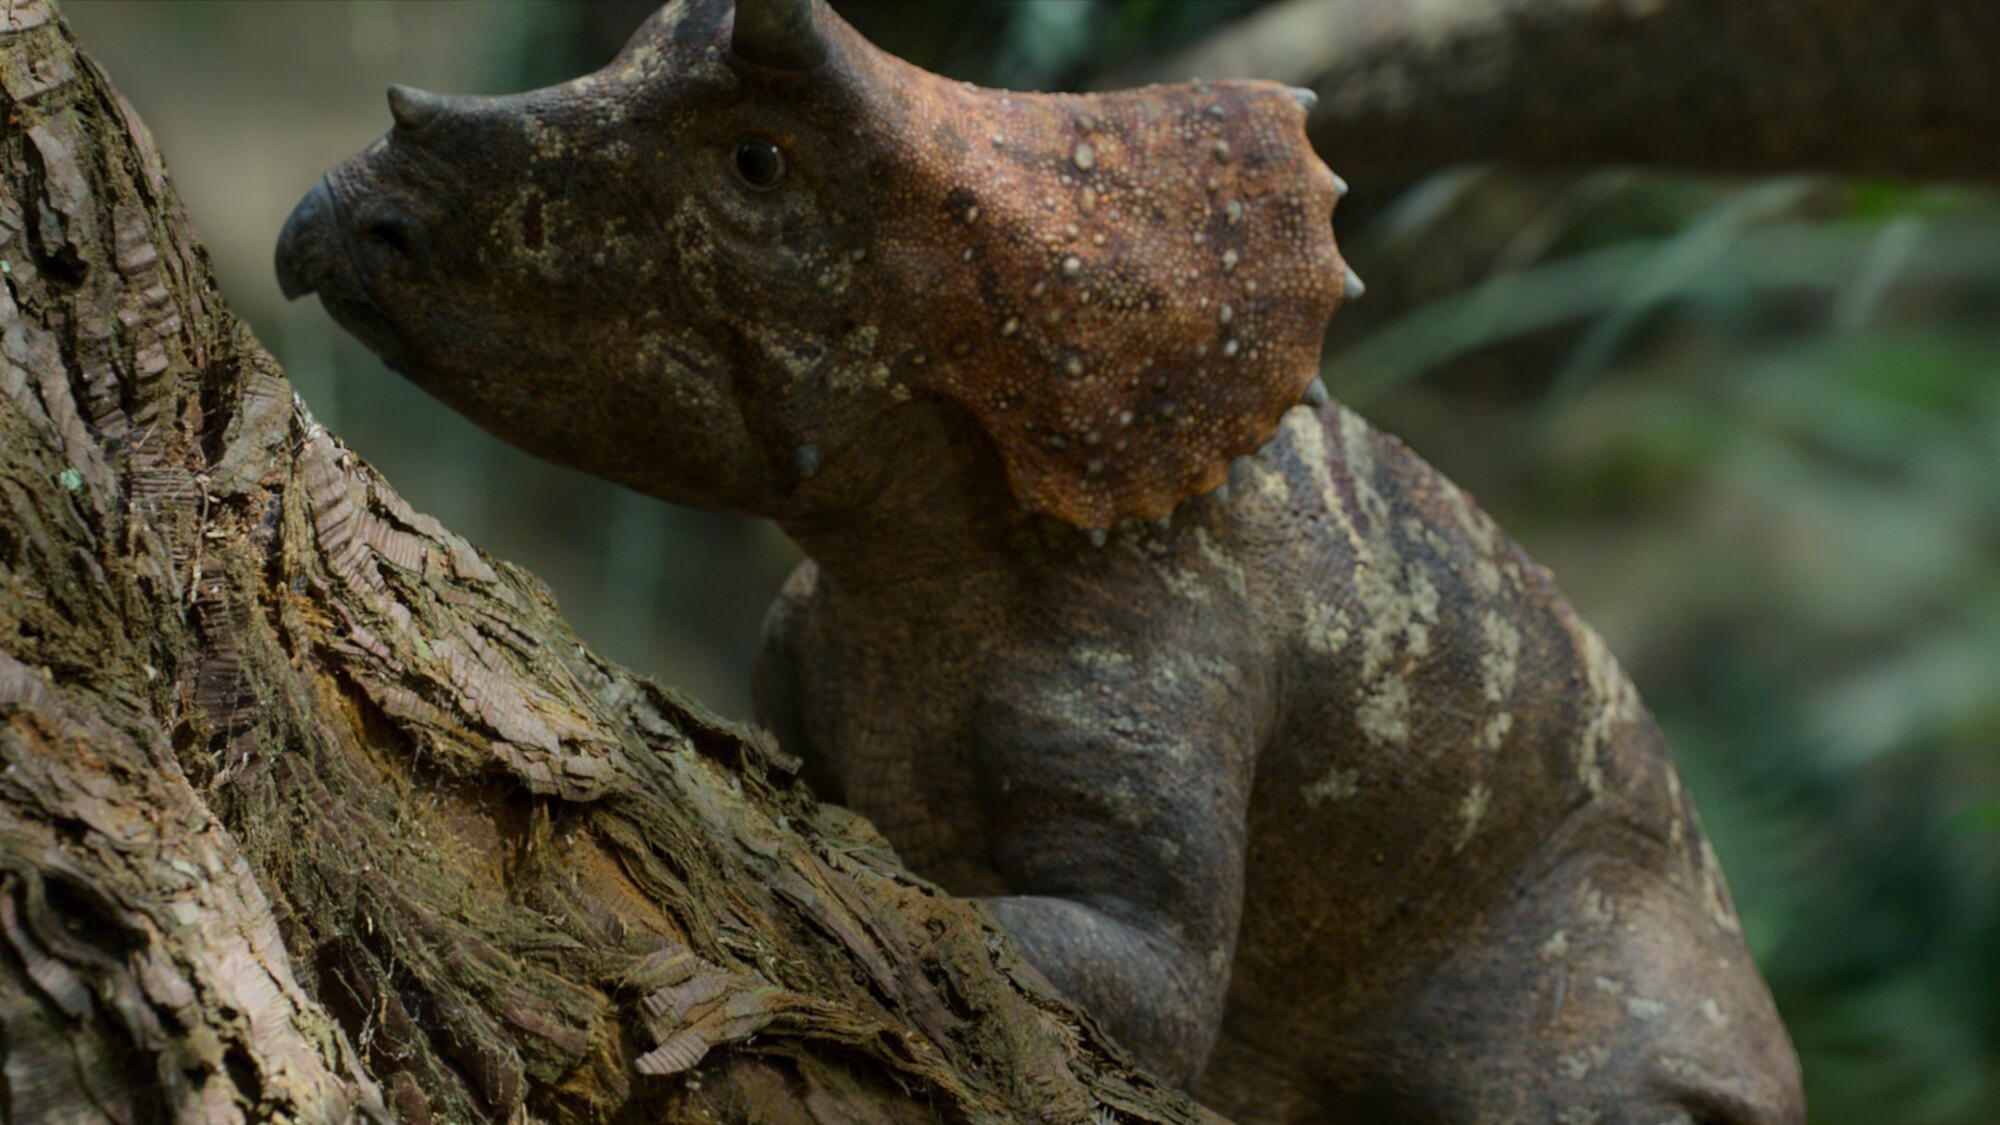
column 385, row 235
column 389, row 234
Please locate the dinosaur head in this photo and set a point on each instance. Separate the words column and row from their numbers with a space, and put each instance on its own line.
column 731, row 257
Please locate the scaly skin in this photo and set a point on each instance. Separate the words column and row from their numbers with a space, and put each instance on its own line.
column 1328, row 770
column 1318, row 796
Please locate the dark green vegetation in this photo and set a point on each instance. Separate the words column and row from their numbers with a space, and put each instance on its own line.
column 1753, row 426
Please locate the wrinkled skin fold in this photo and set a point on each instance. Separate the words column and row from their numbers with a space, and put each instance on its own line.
column 1313, row 788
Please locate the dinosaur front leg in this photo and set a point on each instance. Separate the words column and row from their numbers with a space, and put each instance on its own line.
column 1159, row 998
column 1118, row 803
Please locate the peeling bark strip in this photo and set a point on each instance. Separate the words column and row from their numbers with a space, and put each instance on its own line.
column 310, row 812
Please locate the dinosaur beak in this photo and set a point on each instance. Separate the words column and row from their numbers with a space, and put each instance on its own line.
column 308, row 246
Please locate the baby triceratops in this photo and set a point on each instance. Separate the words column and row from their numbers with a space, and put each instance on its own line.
column 1316, row 794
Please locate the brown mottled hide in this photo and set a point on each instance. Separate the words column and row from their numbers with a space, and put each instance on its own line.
column 1319, row 796
column 1126, row 290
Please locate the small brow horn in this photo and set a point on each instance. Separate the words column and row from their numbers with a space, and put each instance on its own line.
column 778, row 33
column 413, row 108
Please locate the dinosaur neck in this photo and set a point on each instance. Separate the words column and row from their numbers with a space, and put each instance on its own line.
column 923, row 501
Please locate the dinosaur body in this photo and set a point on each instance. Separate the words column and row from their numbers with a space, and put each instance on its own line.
column 1323, row 793
column 1317, row 793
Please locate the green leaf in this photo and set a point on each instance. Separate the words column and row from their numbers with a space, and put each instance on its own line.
column 1980, row 819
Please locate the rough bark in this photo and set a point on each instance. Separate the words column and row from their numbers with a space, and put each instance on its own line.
column 309, row 811
column 1906, row 87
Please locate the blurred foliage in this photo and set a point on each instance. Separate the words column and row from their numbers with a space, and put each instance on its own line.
column 1754, row 427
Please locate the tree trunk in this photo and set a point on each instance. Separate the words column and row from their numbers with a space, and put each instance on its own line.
column 1902, row 87
column 310, row 811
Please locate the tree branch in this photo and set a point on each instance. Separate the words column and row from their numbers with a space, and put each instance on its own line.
column 1860, row 86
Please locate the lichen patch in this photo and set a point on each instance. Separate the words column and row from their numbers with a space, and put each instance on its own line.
column 1576, row 1065
column 1335, row 785
column 1470, row 812
column 1384, row 714
column 1326, row 628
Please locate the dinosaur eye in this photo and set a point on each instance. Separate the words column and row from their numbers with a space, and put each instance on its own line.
column 759, row 164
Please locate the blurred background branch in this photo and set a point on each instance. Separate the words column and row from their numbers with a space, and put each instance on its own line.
column 1905, row 88
column 1753, row 424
